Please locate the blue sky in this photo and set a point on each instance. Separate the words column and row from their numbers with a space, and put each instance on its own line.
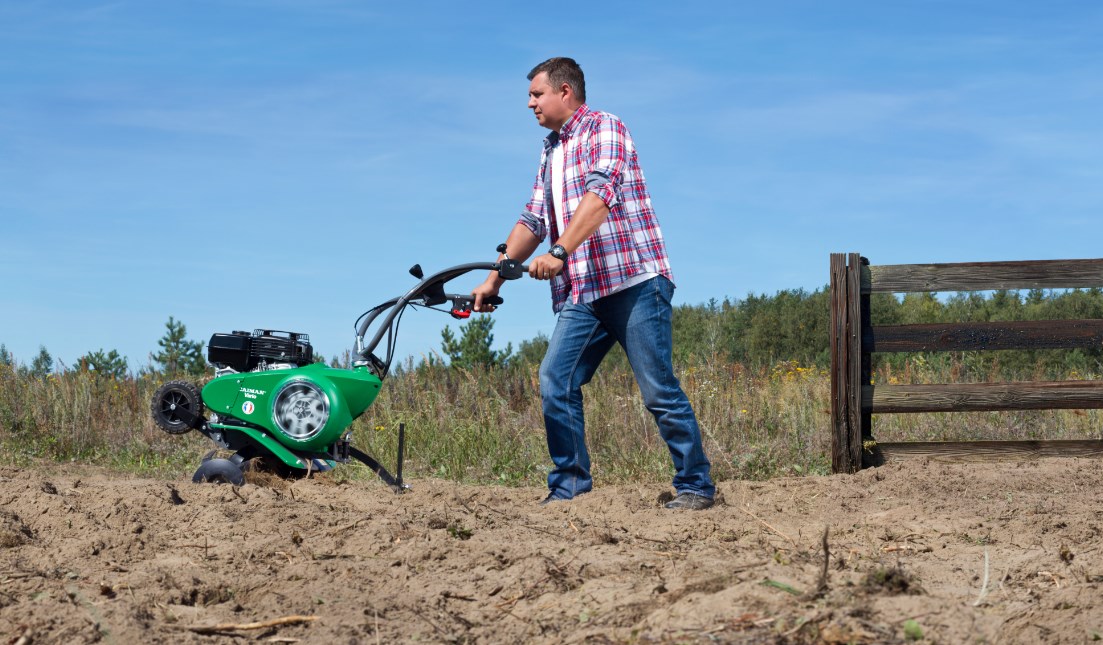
column 245, row 163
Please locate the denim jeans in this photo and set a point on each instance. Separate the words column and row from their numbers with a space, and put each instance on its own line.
column 639, row 318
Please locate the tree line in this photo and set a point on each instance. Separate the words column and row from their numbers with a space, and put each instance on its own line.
column 794, row 325
column 177, row 356
column 757, row 331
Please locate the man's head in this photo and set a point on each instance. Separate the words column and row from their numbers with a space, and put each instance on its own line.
column 557, row 88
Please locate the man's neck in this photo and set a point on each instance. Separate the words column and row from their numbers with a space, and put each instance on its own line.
column 559, row 127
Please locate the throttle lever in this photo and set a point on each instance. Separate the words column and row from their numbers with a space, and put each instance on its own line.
column 461, row 307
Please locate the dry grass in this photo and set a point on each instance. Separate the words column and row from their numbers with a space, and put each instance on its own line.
column 80, row 417
column 757, row 423
column 479, row 426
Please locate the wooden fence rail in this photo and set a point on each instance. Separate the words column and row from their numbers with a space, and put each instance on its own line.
column 854, row 397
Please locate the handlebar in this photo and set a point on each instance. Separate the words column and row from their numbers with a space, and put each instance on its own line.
column 428, row 292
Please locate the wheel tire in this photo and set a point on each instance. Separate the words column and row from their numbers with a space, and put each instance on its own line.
column 219, row 471
column 168, row 399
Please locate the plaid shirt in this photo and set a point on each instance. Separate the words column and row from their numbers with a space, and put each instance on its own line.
column 599, row 157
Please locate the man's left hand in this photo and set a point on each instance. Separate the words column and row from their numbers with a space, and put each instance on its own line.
column 545, row 267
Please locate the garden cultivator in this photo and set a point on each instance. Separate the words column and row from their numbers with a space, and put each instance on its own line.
column 270, row 404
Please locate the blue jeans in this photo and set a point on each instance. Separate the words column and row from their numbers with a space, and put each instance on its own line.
column 639, row 318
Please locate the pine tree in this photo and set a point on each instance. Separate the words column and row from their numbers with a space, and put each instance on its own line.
column 179, row 355
column 103, row 364
column 531, row 352
column 43, row 364
column 473, row 347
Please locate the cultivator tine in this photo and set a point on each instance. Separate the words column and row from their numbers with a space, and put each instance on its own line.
column 401, row 454
column 378, row 469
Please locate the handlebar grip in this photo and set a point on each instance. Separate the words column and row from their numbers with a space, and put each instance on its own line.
column 467, row 299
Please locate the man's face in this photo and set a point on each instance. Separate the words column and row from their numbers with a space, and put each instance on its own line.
column 551, row 106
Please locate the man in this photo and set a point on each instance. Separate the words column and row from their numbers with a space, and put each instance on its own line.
column 610, row 281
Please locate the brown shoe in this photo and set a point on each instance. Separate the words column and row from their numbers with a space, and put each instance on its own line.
column 690, row 502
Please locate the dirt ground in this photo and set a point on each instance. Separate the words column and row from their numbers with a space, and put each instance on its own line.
column 920, row 551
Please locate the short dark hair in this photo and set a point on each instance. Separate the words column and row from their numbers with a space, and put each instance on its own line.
column 562, row 70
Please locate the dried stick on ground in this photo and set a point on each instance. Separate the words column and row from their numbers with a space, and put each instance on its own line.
column 821, row 588
column 984, row 584
column 235, row 627
column 764, row 523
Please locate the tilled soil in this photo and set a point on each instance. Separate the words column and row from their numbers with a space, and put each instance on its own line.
column 920, row 551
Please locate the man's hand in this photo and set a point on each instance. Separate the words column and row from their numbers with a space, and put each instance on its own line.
column 521, row 243
column 487, row 289
column 545, row 267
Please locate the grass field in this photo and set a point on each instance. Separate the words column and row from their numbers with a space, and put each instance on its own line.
column 486, row 426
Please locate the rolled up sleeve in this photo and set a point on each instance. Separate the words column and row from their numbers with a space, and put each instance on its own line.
column 534, row 223
column 609, row 155
column 532, row 217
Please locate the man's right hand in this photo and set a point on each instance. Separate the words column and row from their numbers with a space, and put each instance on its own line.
column 482, row 292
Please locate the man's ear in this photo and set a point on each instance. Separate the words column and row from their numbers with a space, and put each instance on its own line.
column 566, row 91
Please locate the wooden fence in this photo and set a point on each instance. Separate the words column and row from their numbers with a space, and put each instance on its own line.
column 854, row 397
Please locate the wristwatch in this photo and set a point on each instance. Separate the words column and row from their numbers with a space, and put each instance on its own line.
column 558, row 252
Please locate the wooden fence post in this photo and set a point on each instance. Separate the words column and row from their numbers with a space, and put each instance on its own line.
column 854, row 359
column 842, row 460
column 864, row 325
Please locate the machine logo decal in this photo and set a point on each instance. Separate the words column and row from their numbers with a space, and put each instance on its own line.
column 247, row 407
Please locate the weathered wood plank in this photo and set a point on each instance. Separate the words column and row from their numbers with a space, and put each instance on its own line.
column 840, row 449
column 966, row 451
column 866, row 427
column 944, row 337
column 983, row 276
column 981, row 397
column 854, row 358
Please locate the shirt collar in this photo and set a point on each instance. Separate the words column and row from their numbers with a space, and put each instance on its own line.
column 568, row 129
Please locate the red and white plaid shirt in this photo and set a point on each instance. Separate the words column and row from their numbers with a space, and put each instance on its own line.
column 598, row 157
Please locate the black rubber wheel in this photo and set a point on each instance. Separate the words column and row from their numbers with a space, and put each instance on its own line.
column 177, row 407
column 219, row 471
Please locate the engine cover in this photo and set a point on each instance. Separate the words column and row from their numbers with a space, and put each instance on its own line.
column 245, row 352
